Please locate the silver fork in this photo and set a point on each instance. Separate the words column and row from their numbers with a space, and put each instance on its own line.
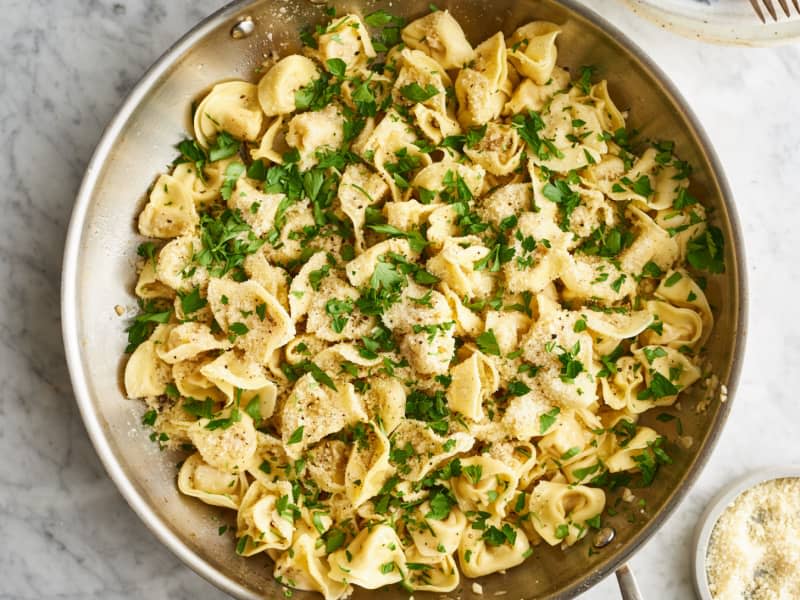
column 771, row 8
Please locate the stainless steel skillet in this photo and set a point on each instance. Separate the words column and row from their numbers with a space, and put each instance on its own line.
column 101, row 246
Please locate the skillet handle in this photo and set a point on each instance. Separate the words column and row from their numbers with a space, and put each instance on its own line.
column 628, row 588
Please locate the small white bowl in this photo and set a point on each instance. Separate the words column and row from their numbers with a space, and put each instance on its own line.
column 716, row 507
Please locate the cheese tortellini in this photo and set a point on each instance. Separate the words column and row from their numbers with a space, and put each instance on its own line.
column 405, row 307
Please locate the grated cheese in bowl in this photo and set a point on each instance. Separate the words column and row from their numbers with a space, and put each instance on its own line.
column 754, row 549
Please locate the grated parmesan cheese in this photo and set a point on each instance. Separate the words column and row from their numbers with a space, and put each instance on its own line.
column 754, row 550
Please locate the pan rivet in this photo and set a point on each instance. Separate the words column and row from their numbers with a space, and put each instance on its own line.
column 243, row 28
column 604, row 537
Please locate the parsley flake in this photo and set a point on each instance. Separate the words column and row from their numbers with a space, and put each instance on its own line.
column 487, row 343
column 547, row 419
column 416, row 93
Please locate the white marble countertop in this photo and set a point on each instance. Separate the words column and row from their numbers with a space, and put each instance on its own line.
column 64, row 68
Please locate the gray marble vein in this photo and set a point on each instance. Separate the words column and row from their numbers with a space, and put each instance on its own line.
column 64, row 68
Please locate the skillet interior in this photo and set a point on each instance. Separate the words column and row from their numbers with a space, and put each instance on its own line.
column 99, row 274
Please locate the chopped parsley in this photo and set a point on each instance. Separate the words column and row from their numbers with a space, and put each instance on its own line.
column 571, row 367
column 317, row 94
column 294, row 372
column 457, row 142
column 404, row 164
column 433, row 329
column 253, row 409
column 616, row 285
column 145, row 322
column 237, row 329
column 498, row 255
column 517, row 388
column 224, row 146
column 380, row 18
column 241, row 545
column 583, row 473
column 431, row 408
column 416, row 93
column 640, row 187
column 225, row 422
column 226, row 241
column 683, row 199
column 424, row 300
column 595, row 522
column 390, row 25
column 232, row 173
column 147, row 250
column 660, row 387
column 191, row 302
column 673, row 279
column 528, row 126
column 297, row 435
column 202, row 409
column 384, row 289
column 651, row 269
column 547, row 419
column 568, row 200
column 497, row 537
column 286, row 509
column 487, row 343
column 316, row 277
column 650, row 459
column 336, row 66
column 149, row 417
column 473, row 473
column 318, row 374
column 338, row 311
column 525, row 305
column 707, row 250
column 416, row 240
column 606, row 241
column 192, row 153
column 654, row 352
column 387, row 567
column 441, row 501
column 570, row 453
column 584, row 83
column 334, row 539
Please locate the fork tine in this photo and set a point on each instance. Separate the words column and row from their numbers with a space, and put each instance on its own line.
column 770, row 9
column 757, row 7
column 785, row 7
